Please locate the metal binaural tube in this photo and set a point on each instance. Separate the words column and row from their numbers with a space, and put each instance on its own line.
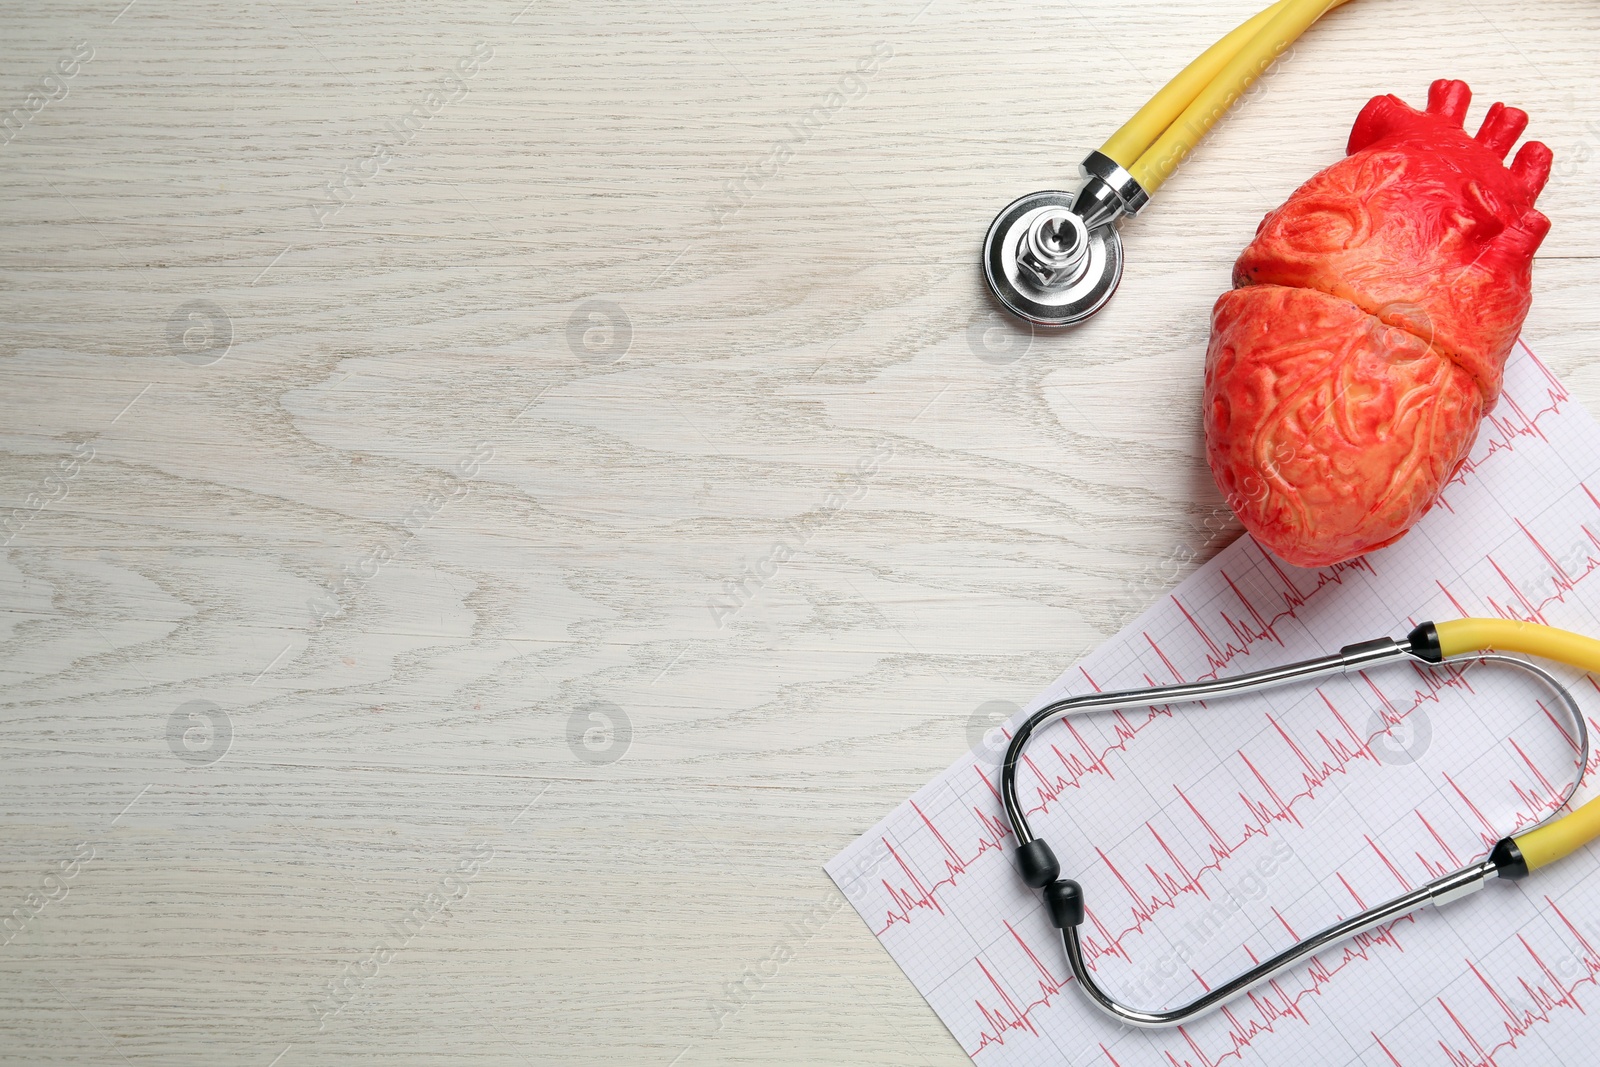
column 1182, row 693
column 1451, row 887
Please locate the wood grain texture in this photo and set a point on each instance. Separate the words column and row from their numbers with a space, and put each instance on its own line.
column 800, row 409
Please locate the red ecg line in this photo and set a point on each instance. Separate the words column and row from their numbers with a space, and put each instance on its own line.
column 1269, row 1010
column 1266, row 1010
column 1503, row 431
column 1545, row 995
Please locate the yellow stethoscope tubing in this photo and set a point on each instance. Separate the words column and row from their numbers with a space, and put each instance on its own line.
column 1140, row 132
column 1152, row 143
column 1550, row 842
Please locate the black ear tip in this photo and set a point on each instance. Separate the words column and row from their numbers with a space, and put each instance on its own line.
column 1038, row 864
column 1064, row 898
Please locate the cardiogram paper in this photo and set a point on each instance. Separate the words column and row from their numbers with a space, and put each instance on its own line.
column 1207, row 837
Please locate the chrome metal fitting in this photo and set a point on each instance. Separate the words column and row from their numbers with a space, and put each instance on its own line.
column 1054, row 249
column 1108, row 192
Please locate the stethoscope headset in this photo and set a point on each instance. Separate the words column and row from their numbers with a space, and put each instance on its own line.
column 1447, row 642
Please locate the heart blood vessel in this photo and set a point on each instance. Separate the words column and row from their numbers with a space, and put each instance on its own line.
column 1368, row 327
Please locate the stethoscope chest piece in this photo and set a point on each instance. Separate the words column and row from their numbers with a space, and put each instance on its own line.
column 1043, row 264
column 1055, row 258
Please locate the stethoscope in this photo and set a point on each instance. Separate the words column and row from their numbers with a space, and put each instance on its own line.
column 1055, row 258
column 1545, row 842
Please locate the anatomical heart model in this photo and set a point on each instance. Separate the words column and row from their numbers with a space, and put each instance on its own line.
column 1370, row 321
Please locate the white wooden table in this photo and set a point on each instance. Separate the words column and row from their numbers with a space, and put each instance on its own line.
column 499, row 495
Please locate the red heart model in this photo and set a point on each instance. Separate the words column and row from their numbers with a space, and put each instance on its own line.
column 1370, row 322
